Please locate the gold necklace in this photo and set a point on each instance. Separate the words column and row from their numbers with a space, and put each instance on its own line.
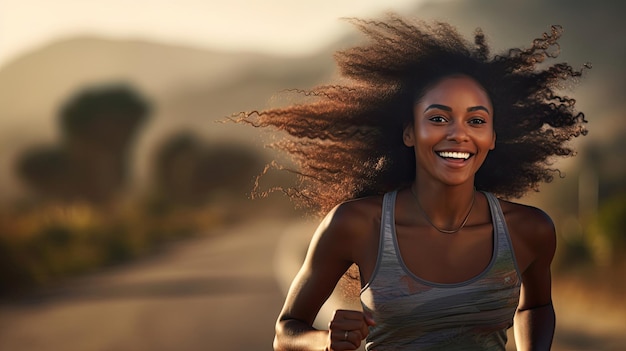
column 445, row 231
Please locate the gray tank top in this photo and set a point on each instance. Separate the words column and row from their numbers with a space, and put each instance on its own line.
column 415, row 314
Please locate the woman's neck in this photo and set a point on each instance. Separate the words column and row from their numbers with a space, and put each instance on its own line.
column 443, row 205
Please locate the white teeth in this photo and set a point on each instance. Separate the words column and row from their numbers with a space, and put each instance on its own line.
column 451, row 154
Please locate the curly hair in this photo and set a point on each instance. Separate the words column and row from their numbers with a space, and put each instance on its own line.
column 346, row 138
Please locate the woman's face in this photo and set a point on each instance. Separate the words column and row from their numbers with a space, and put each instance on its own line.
column 452, row 130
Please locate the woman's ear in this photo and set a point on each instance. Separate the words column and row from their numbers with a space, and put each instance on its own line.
column 493, row 142
column 407, row 136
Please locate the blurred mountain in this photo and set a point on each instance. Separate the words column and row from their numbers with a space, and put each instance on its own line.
column 190, row 89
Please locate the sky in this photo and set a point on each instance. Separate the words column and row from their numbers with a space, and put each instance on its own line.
column 271, row 26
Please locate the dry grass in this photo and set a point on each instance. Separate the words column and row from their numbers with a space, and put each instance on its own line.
column 593, row 297
column 42, row 244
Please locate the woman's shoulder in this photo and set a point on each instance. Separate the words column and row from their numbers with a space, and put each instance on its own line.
column 357, row 212
column 350, row 228
column 352, row 219
column 526, row 217
column 530, row 226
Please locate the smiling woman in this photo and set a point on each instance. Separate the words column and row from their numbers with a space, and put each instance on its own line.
column 452, row 131
column 408, row 161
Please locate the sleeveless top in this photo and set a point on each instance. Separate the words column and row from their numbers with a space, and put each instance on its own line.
column 415, row 314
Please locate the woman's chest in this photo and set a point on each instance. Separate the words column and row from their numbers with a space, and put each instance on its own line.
column 445, row 258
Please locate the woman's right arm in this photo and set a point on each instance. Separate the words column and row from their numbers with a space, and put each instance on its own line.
column 329, row 255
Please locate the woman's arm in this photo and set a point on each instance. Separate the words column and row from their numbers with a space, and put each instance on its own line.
column 534, row 328
column 534, row 322
column 330, row 254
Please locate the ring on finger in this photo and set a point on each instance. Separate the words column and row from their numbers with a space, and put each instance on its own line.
column 345, row 335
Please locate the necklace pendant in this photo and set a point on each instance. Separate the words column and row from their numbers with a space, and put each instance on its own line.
column 445, row 231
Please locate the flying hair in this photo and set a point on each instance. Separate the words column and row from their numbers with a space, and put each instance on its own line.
column 345, row 139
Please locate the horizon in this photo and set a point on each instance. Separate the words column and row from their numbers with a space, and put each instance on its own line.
column 204, row 25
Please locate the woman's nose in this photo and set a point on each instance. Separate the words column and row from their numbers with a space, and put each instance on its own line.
column 457, row 132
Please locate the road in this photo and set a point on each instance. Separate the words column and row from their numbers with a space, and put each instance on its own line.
column 218, row 292
column 221, row 291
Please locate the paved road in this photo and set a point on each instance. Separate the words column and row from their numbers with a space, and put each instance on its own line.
column 215, row 293
column 219, row 292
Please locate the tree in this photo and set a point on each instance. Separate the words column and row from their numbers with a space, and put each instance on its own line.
column 189, row 171
column 98, row 126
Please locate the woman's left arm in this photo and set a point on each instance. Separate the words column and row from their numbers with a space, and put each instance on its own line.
column 535, row 319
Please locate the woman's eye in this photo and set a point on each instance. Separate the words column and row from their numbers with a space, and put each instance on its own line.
column 437, row 119
column 477, row 121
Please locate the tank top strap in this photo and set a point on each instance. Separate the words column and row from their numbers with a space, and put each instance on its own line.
column 387, row 258
column 502, row 239
column 387, row 216
column 387, row 226
column 497, row 217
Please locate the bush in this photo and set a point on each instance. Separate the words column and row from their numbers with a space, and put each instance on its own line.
column 42, row 244
column 606, row 231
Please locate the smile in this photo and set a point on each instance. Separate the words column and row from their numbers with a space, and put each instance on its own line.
column 454, row 155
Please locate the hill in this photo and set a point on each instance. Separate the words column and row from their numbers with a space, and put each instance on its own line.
column 189, row 88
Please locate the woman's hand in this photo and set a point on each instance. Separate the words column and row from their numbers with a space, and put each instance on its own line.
column 347, row 329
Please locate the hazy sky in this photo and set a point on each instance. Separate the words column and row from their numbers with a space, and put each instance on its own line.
column 286, row 26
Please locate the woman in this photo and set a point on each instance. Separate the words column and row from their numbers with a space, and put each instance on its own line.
column 407, row 159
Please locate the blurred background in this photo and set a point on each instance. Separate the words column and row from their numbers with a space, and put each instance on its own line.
column 125, row 214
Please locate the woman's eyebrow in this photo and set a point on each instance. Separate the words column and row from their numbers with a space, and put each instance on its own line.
column 477, row 108
column 449, row 109
column 438, row 106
